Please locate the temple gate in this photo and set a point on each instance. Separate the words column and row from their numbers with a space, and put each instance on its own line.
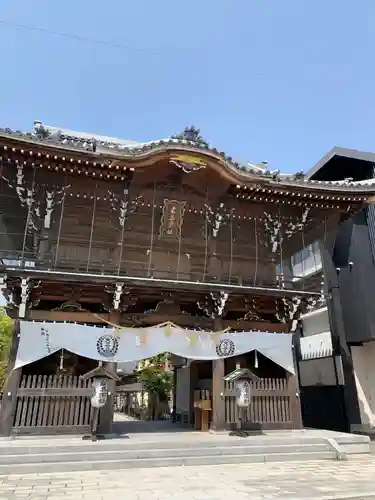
column 123, row 238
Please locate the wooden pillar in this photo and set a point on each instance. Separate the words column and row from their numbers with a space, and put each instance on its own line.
column 107, row 412
column 193, row 373
column 174, row 411
column 9, row 402
column 130, row 404
column 218, row 373
column 295, row 403
column 294, row 385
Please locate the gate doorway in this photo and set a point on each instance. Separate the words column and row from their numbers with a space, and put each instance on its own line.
column 130, row 400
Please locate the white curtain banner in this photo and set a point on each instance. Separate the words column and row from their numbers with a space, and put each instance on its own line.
column 122, row 344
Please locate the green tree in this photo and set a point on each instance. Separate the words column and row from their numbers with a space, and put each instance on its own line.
column 6, row 328
column 157, row 382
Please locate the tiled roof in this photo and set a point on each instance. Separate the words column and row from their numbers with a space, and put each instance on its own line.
column 190, row 139
column 70, row 139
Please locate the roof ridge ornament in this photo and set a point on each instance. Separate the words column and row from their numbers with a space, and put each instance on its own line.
column 299, row 176
column 191, row 134
column 40, row 131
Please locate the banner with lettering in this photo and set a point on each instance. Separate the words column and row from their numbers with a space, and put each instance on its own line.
column 121, row 344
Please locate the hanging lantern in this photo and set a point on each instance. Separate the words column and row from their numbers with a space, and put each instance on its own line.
column 243, row 393
column 99, row 392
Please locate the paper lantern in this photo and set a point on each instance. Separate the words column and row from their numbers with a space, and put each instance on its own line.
column 243, row 393
column 99, row 392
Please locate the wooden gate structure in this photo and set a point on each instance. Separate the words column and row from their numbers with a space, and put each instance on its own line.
column 274, row 405
column 52, row 404
column 109, row 232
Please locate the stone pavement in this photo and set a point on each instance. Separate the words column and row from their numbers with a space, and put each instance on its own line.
column 307, row 480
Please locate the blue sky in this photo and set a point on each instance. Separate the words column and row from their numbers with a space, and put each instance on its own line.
column 282, row 81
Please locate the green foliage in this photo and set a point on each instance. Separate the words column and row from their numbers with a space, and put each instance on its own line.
column 6, row 326
column 159, row 359
column 155, row 378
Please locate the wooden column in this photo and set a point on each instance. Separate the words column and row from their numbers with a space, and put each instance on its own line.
column 294, row 381
column 107, row 412
column 218, row 373
column 175, row 368
column 193, row 374
column 9, row 402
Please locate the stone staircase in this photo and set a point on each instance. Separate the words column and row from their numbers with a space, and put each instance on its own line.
column 67, row 454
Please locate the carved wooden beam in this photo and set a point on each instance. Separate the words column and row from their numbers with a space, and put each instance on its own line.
column 78, row 317
column 216, row 218
column 16, row 292
column 122, row 205
column 8, row 292
column 252, row 310
column 27, row 285
column 121, row 295
column 214, row 304
column 290, row 310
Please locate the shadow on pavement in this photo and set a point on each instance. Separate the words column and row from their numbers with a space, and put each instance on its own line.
column 149, row 426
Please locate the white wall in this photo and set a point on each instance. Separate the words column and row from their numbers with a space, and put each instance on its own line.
column 315, row 322
column 317, row 366
column 316, row 346
column 317, row 339
column 364, row 373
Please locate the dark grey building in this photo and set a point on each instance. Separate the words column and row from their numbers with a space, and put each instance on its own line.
column 337, row 371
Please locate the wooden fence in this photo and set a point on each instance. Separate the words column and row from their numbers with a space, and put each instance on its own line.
column 272, row 406
column 52, row 404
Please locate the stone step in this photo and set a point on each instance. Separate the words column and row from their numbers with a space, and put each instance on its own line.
column 349, row 443
column 146, row 453
column 131, row 463
column 120, row 444
column 53, row 454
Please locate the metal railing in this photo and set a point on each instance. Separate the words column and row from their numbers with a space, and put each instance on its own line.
column 27, row 261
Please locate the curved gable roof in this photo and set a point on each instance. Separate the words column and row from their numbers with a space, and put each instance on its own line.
column 188, row 142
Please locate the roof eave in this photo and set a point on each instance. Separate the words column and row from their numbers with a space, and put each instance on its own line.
column 234, row 172
column 354, row 154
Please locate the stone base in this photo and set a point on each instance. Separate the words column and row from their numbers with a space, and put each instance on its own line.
column 164, row 449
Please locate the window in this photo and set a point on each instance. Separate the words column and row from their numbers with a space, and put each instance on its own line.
column 307, row 261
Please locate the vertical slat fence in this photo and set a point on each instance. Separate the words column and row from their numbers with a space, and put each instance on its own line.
column 52, row 404
column 271, row 405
